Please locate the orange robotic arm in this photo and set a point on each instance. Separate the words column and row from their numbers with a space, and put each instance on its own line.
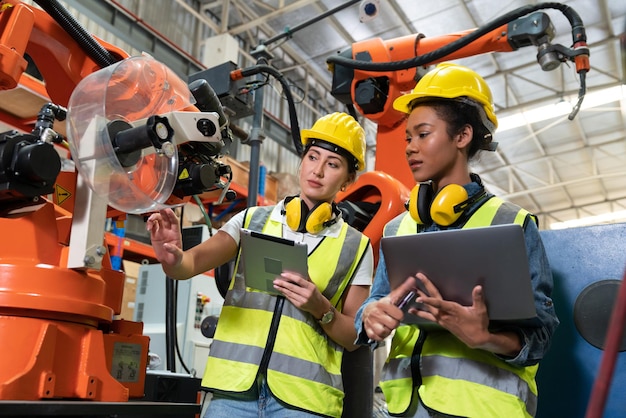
column 60, row 291
column 57, row 322
column 371, row 74
column 374, row 92
column 63, row 55
column 62, row 62
column 366, row 93
column 59, row 64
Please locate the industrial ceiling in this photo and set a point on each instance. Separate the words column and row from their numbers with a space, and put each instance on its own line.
column 560, row 169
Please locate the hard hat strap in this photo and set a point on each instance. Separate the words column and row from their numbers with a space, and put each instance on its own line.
column 334, row 148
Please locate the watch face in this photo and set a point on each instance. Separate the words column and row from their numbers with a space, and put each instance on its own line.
column 328, row 316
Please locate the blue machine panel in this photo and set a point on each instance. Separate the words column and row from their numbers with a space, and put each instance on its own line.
column 581, row 258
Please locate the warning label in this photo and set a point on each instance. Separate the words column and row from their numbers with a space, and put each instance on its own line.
column 61, row 194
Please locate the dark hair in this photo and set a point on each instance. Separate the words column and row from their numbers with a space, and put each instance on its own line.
column 457, row 114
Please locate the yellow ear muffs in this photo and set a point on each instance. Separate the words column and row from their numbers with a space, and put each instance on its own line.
column 443, row 208
column 448, row 205
column 300, row 219
column 295, row 213
column 318, row 217
column 419, row 203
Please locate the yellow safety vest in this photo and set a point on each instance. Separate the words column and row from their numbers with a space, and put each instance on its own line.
column 451, row 377
column 261, row 333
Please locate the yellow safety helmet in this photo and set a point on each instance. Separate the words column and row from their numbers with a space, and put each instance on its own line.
column 452, row 81
column 340, row 133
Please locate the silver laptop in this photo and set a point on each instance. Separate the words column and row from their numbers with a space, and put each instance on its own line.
column 265, row 256
column 458, row 260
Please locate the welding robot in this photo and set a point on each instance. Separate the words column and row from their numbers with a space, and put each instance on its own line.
column 136, row 141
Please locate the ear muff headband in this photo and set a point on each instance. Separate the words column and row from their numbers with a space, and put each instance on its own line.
column 295, row 213
column 419, row 203
column 319, row 217
column 443, row 208
column 299, row 218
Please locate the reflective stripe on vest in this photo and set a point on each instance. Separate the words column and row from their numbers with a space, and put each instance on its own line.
column 304, row 367
column 455, row 379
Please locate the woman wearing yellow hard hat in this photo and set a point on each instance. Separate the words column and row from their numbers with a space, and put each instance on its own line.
column 467, row 367
column 281, row 356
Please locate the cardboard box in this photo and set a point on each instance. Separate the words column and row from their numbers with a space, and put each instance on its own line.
column 130, row 290
column 241, row 176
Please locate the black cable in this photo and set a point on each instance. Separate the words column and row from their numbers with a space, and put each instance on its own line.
column 578, row 34
column 205, row 392
column 293, row 116
column 170, row 325
column 172, row 349
column 578, row 37
column 177, row 347
column 581, row 95
column 351, row 110
column 290, row 31
column 92, row 48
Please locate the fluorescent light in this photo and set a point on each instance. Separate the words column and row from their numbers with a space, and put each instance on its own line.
column 551, row 111
column 591, row 220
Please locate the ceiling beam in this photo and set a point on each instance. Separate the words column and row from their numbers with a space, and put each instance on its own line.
column 261, row 20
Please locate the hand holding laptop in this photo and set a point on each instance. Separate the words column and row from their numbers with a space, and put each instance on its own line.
column 383, row 316
column 458, row 260
column 459, row 319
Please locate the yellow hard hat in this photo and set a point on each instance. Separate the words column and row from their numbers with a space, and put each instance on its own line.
column 452, row 81
column 338, row 132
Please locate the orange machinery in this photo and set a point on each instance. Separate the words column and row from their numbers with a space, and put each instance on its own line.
column 58, row 291
column 55, row 322
column 371, row 74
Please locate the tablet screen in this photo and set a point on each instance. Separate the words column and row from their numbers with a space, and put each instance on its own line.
column 265, row 256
